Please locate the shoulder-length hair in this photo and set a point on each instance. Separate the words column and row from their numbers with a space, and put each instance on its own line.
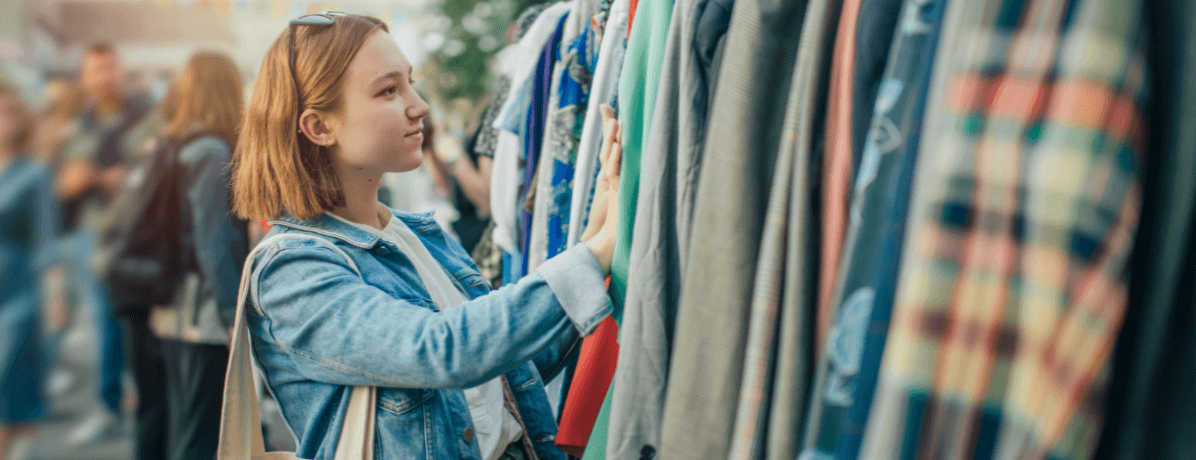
column 208, row 93
column 20, row 142
column 278, row 170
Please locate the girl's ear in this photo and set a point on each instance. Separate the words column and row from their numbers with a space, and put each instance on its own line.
column 313, row 125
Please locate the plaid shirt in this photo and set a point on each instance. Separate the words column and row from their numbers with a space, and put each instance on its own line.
column 1014, row 275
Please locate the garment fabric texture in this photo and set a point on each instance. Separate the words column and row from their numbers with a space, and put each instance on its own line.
column 603, row 88
column 518, row 61
column 549, row 150
column 147, row 363
column 316, row 325
column 206, row 304
column 638, row 86
column 741, row 144
column 787, row 215
column 591, row 383
column 29, row 231
column 884, row 271
column 1156, row 352
column 872, row 248
column 669, row 176
column 868, row 249
column 1013, row 276
column 194, row 375
column 494, row 425
column 836, row 162
column 543, row 97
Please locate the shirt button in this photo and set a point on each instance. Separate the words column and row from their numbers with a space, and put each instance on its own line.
column 383, row 251
column 468, row 435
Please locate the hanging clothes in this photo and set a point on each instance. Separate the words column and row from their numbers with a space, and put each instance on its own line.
column 519, row 62
column 669, row 176
column 542, row 98
column 790, row 194
column 741, row 145
column 602, row 91
column 868, row 248
column 638, row 86
column 558, row 141
column 837, row 165
column 1150, row 412
column 1013, row 280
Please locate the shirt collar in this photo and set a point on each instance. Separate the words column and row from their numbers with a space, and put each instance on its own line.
column 329, row 226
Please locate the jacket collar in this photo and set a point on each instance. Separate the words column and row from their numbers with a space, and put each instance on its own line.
column 331, row 227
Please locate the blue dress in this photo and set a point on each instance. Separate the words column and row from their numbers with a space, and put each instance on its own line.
column 29, row 222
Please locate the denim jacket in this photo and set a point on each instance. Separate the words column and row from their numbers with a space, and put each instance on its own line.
column 319, row 329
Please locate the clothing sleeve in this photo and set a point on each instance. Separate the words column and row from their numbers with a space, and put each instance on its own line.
column 341, row 330
column 219, row 247
column 47, row 222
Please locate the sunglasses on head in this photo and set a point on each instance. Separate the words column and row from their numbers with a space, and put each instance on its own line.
column 326, row 18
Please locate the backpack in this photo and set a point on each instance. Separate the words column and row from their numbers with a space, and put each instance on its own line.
column 149, row 241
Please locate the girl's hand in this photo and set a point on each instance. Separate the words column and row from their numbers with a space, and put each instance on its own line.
column 604, row 216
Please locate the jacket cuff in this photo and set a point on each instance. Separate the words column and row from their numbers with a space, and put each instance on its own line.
column 579, row 285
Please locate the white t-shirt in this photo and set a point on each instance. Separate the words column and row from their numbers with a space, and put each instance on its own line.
column 496, row 427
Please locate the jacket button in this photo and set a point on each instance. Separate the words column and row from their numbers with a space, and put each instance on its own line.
column 383, row 251
column 468, row 435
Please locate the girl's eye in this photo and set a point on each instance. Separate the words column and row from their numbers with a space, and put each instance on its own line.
column 389, row 90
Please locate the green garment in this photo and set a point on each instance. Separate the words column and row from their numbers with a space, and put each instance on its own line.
column 637, row 100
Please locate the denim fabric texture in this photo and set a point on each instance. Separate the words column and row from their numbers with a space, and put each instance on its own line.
column 319, row 329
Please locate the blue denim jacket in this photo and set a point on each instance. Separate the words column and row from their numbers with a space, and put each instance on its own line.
column 318, row 329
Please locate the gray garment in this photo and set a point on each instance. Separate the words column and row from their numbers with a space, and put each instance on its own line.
column 741, row 145
column 645, row 334
column 783, row 405
column 1155, row 360
column 206, row 305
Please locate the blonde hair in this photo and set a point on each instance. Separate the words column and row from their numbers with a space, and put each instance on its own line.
column 207, row 92
column 20, row 142
column 278, row 170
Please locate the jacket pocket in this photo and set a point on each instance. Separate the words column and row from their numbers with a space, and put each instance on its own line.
column 401, row 401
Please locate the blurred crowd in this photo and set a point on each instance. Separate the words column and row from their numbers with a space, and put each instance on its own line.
column 83, row 181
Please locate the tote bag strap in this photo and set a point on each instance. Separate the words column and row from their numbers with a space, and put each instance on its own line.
column 240, row 426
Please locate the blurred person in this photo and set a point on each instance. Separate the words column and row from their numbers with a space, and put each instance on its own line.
column 58, row 122
column 458, row 368
column 467, row 182
column 29, row 224
column 111, row 134
column 200, row 123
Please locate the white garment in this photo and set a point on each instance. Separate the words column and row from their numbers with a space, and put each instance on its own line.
column 415, row 191
column 495, row 426
column 605, row 83
column 504, row 190
column 517, row 61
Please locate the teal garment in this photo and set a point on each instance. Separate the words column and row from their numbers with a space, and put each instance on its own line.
column 637, row 100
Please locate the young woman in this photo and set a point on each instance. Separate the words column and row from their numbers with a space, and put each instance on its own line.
column 29, row 222
column 200, row 116
column 332, row 110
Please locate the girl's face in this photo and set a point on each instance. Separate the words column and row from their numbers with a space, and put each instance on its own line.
column 10, row 119
column 380, row 127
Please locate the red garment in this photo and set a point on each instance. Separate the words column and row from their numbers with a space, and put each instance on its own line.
column 631, row 15
column 595, row 370
column 837, row 169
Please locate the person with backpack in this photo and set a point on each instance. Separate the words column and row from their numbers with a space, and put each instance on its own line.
column 177, row 261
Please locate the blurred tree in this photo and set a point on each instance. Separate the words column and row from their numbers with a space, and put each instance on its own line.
column 477, row 31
